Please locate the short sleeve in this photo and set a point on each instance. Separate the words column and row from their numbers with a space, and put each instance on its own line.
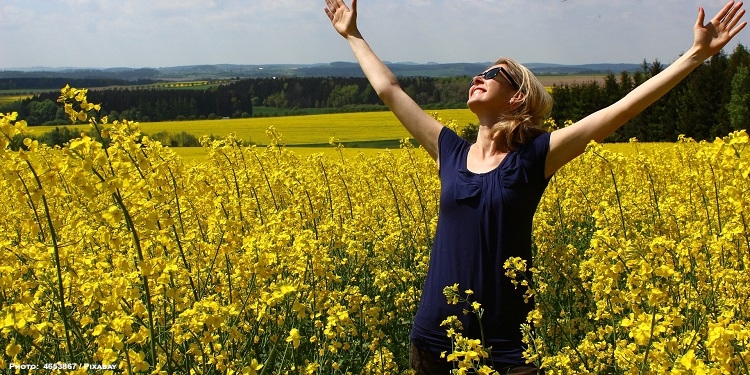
column 449, row 142
column 534, row 156
column 450, row 148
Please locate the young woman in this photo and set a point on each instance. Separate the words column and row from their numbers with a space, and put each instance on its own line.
column 490, row 189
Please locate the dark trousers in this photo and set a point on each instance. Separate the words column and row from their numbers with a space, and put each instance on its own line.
column 429, row 363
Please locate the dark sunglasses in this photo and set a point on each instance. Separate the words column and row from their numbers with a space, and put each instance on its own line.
column 492, row 73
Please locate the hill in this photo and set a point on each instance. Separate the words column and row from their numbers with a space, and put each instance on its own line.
column 333, row 69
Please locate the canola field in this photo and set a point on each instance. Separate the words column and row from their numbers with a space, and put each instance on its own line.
column 298, row 130
column 257, row 260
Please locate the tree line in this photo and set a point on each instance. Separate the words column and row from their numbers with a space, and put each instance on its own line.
column 343, row 92
column 712, row 101
column 143, row 104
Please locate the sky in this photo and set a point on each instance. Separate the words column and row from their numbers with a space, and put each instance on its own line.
column 161, row 33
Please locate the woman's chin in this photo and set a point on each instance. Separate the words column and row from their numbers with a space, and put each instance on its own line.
column 475, row 104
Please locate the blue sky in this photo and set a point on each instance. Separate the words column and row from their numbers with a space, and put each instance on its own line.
column 155, row 33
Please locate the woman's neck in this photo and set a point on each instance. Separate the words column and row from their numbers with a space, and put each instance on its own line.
column 489, row 143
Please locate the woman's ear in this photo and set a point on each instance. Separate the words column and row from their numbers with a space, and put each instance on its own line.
column 517, row 100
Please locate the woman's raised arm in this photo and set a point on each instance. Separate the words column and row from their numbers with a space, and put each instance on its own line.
column 419, row 124
column 709, row 39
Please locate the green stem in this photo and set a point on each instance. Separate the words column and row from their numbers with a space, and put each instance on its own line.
column 144, row 279
column 328, row 186
column 42, row 237
column 617, row 195
column 56, row 253
column 268, row 181
column 650, row 340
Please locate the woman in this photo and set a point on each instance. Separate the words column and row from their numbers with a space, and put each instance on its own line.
column 490, row 189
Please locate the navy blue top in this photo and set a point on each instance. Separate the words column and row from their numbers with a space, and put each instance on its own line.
column 484, row 219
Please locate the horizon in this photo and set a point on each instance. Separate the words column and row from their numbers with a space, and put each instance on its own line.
column 63, row 68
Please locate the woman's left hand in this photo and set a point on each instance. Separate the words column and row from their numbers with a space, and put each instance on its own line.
column 713, row 36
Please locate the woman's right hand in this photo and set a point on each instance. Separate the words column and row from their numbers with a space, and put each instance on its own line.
column 344, row 20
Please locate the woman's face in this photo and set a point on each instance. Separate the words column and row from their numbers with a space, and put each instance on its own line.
column 492, row 89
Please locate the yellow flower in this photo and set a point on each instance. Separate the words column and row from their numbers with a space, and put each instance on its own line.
column 688, row 360
column 294, row 337
column 12, row 349
column 138, row 360
column 451, row 292
column 253, row 368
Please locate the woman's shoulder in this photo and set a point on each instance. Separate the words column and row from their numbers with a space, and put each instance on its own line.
column 449, row 141
column 451, row 149
column 529, row 160
column 537, row 145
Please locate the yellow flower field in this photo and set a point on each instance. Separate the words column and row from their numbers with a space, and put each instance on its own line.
column 642, row 257
column 262, row 261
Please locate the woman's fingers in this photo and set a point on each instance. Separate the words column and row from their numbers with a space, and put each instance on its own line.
column 729, row 16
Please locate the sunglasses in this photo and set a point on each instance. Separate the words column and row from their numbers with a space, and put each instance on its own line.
column 492, row 73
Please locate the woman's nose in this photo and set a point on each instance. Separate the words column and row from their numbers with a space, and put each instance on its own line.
column 476, row 79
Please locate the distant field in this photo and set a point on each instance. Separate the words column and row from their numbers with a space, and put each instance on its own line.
column 549, row 81
column 5, row 99
column 260, row 111
column 365, row 133
column 365, row 127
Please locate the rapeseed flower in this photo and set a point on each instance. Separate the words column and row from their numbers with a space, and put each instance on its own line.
column 116, row 251
column 294, row 338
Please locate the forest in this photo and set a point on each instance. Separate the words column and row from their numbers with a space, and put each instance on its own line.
column 712, row 101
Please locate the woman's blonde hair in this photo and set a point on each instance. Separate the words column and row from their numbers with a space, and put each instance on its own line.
column 524, row 123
